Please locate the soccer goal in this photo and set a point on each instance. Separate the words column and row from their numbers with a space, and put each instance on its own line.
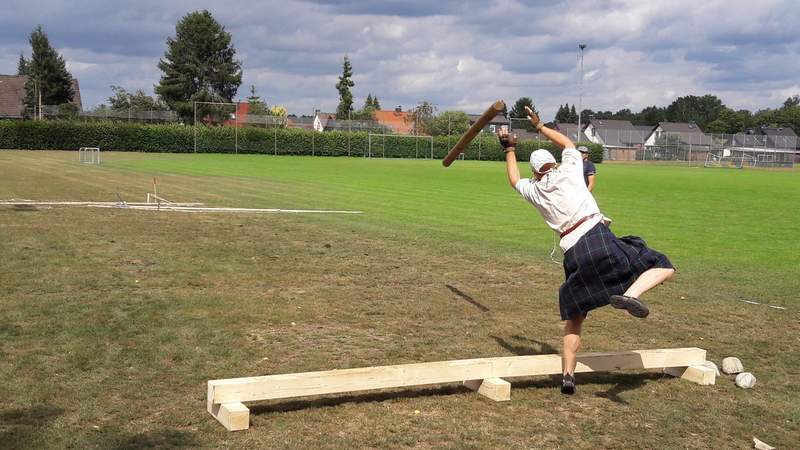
column 750, row 157
column 399, row 146
column 89, row 155
column 728, row 158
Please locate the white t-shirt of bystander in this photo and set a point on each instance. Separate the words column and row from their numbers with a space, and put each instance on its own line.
column 563, row 199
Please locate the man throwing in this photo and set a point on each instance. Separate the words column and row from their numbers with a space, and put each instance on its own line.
column 600, row 268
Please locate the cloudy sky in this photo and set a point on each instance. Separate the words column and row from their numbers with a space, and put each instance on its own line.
column 459, row 54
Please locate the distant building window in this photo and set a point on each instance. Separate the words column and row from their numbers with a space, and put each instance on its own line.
column 593, row 132
column 493, row 128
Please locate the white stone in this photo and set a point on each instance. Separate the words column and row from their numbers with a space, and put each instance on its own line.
column 745, row 380
column 711, row 365
column 731, row 365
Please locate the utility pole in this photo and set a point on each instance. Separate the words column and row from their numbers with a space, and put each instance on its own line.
column 580, row 91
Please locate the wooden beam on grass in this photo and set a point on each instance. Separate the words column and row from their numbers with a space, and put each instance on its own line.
column 269, row 387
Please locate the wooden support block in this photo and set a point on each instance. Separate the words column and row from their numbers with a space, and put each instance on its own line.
column 701, row 375
column 233, row 416
column 496, row 389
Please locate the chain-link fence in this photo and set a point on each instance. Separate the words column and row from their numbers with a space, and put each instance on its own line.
column 129, row 115
column 696, row 148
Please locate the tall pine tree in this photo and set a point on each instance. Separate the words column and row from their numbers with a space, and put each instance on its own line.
column 198, row 65
column 22, row 65
column 518, row 112
column 562, row 116
column 48, row 83
column 345, row 107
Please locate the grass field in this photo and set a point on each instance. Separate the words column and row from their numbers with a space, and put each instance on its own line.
column 113, row 320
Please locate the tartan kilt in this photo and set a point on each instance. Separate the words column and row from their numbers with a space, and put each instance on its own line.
column 600, row 265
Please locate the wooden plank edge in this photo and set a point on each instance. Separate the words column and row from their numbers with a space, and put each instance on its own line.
column 496, row 389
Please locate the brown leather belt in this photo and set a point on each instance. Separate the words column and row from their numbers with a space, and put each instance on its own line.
column 577, row 224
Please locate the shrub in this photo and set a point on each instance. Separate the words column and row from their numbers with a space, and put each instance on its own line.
column 121, row 136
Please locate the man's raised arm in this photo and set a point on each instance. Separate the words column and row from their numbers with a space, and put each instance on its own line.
column 554, row 136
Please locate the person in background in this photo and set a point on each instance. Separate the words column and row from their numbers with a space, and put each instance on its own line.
column 589, row 170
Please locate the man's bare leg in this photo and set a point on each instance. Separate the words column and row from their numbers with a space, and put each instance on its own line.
column 572, row 341
column 630, row 299
column 648, row 280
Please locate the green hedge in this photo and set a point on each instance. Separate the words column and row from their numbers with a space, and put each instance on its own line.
column 118, row 136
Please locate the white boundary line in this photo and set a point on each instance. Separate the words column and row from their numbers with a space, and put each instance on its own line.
column 185, row 207
column 92, row 204
column 152, row 207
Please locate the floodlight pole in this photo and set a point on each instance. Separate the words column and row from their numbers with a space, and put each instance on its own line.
column 194, row 126
column 236, row 128
column 580, row 92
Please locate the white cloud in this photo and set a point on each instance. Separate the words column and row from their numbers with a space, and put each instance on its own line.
column 457, row 54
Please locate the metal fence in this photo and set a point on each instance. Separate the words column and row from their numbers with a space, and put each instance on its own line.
column 56, row 112
column 694, row 148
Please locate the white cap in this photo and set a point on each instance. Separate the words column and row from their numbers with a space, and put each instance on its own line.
column 541, row 157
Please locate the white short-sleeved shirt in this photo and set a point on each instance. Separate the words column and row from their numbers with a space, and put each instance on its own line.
column 563, row 199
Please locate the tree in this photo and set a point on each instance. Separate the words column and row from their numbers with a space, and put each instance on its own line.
column 198, row 65
column 376, row 105
column 449, row 123
column 345, row 108
column 277, row 111
column 782, row 117
column 624, row 114
column 22, row 65
column 791, row 101
column 122, row 100
column 369, row 102
column 730, row 122
column 650, row 115
column 362, row 114
column 573, row 115
column 700, row 110
column 563, row 115
column 421, row 117
column 518, row 112
column 48, row 83
column 68, row 111
column 368, row 111
column 256, row 106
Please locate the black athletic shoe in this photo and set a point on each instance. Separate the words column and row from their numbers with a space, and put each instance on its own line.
column 568, row 384
column 632, row 304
